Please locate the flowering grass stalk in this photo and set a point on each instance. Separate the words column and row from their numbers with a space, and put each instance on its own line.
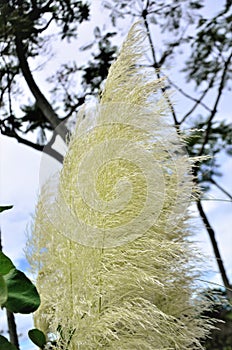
column 111, row 245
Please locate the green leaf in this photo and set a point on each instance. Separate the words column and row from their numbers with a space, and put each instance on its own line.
column 5, row 264
column 5, row 344
column 22, row 294
column 5, row 207
column 37, row 337
column 3, row 291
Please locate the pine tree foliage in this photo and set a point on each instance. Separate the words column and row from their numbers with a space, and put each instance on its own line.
column 112, row 249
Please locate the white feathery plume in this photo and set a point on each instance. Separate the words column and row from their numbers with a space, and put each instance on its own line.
column 111, row 245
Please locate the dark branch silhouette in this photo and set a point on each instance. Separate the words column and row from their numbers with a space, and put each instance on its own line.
column 215, row 249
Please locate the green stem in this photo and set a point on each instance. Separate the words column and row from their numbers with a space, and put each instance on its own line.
column 10, row 316
column 12, row 329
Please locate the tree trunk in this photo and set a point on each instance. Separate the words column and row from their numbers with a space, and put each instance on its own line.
column 41, row 100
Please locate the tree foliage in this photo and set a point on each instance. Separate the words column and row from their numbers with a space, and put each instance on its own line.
column 22, row 28
column 221, row 338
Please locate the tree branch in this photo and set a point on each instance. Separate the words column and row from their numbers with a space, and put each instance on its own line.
column 54, row 154
column 221, row 188
column 215, row 249
column 46, row 25
column 46, row 149
column 36, row 11
column 157, row 67
column 197, row 101
column 214, row 110
column 41, row 100
column 73, row 108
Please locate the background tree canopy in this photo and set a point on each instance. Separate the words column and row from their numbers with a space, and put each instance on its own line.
column 188, row 41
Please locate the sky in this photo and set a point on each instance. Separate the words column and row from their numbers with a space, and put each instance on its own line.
column 20, row 178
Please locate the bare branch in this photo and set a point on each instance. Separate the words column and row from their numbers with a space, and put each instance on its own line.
column 156, row 66
column 42, row 148
column 46, row 25
column 197, row 101
column 54, row 154
column 41, row 100
column 73, row 108
column 221, row 188
column 214, row 110
column 215, row 249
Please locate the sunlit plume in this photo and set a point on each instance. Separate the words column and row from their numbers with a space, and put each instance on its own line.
column 110, row 243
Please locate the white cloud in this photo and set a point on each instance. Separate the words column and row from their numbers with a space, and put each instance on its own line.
column 19, row 187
